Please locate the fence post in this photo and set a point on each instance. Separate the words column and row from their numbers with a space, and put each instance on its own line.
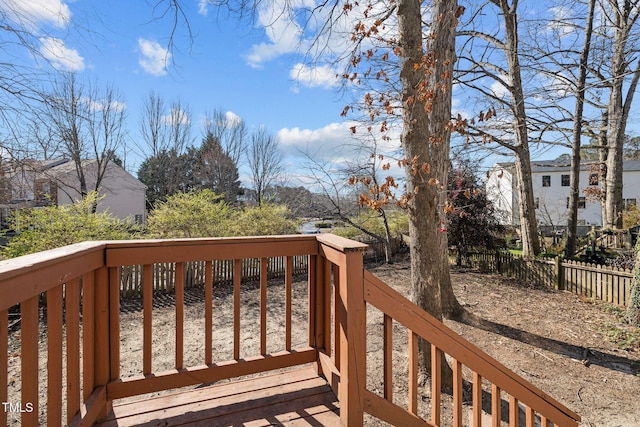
column 559, row 274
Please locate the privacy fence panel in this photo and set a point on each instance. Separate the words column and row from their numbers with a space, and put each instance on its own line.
column 194, row 274
column 609, row 284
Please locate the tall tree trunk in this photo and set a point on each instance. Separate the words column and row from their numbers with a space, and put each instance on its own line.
column 425, row 112
column 633, row 309
column 574, row 181
column 603, row 152
column 526, row 201
column 615, row 135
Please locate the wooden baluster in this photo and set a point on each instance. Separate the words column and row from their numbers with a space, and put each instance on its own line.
column 72, row 315
column 315, row 312
column 88, row 334
column 4, row 363
column 208, row 313
column 336, row 311
column 288, row 314
column 436, row 384
column 54, row 357
column 179, row 287
column 29, row 350
column 513, row 412
column 496, row 405
column 457, row 393
column 237, row 277
column 114, row 322
column 388, row 357
column 147, row 302
column 544, row 422
column 477, row 400
column 102, row 324
column 413, row 372
column 530, row 417
column 263, row 306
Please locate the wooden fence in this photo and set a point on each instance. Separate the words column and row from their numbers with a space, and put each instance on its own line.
column 609, row 284
column 164, row 274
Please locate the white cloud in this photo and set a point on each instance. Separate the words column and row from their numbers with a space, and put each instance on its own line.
column 203, row 7
column 232, row 118
column 154, row 57
column 278, row 20
column 333, row 142
column 177, row 117
column 498, row 89
column 560, row 23
column 61, row 57
column 96, row 105
column 32, row 14
column 323, row 76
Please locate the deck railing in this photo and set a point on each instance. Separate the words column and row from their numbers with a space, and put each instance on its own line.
column 77, row 347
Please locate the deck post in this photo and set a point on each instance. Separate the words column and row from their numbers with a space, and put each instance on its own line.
column 101, row 333
column 352, row 339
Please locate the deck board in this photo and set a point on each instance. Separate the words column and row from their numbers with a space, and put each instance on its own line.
column 292, row 398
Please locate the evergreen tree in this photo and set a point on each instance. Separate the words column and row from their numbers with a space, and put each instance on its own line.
column 471, row 220
column 216, row 170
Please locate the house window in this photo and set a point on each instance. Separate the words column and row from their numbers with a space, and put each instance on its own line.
column 628, row 203
column 593, row 179
column 537, row 202
column 139, row 219
column 546, row 180
column 565, row 180
column 582, row 203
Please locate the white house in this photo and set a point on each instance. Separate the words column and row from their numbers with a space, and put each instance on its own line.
column 551, row 184
column 37, row 183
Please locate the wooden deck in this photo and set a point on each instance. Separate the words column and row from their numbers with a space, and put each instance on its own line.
column 328, row 328
column 293, row 398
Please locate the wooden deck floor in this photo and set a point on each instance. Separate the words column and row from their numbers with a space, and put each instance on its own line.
column 293, row 398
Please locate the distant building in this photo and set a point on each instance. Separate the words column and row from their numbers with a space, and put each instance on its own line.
column 35, row 183
column 551, row 184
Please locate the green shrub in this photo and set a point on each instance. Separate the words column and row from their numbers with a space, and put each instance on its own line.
column 50, row 227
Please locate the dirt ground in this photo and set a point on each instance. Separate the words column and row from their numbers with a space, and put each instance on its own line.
column 566, row 345
column 573, row 349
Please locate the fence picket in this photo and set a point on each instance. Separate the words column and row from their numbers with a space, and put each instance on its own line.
column 609, row 284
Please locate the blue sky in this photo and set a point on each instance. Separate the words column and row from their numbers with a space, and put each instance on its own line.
column 252, row 70
column 247, row 70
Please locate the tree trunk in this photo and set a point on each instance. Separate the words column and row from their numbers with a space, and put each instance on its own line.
column 574, row 181
column 526, row 203
column 426, row 116
column 633, row 309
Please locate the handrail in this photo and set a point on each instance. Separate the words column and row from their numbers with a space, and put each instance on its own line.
column 85, row 278
column 46, row 270
column 393, row 304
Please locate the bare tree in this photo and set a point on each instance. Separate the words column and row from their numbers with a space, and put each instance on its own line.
column 90, row 127
column 265, row 163
column 491, row 65
column 358, row 184
column 179, row 122
column 574, row 190
column 230, row 131
column 621, row 18
column 153, row 126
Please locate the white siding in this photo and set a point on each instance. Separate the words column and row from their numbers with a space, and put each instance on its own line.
column 500, row 188
column 122, row 194
column 552, row 199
